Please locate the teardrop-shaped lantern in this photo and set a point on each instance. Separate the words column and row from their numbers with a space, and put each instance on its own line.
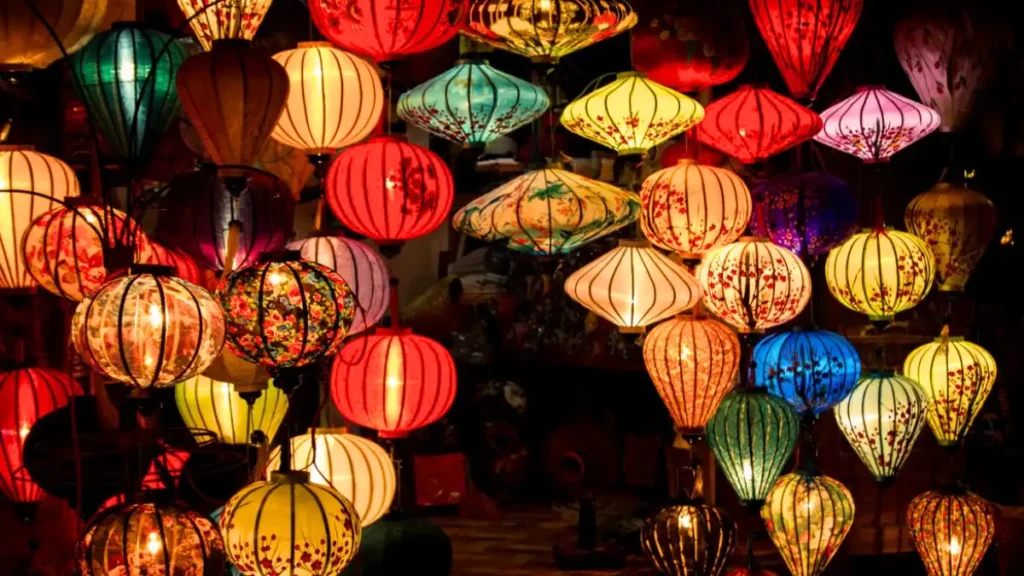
column 811, row 370
column 213, row 20
column 689, row 540
column 809, row 213
column 951, row 531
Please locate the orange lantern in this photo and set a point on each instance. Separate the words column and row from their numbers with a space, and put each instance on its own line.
column 951, row 531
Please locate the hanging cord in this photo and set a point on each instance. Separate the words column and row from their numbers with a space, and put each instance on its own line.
column 76, row 447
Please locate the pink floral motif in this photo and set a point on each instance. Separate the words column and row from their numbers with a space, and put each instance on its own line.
column 874, row 124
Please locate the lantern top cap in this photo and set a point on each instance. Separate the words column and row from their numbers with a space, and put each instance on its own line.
column 877, row 230
column 753, row 86
column 17, row 148
column 328, row 431
column 125, row 25
column 867, row 87
column 473, row 61
column 949, row 339
column 753, row 240
column 637, row 243
column 388, row 331
column 390, row 138
column 882, row 373
column 315, row 44
column 630, row 74
column 293, row 477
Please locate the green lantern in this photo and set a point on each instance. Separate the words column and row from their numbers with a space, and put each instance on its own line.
column 753, row 435
column 125, row 79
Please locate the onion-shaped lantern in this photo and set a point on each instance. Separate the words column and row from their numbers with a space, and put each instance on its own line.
column 957, row 376
column 808, row 516
column 881, row 419
column 690, row 208
column 874, row 124
column 183, row 265
column 28, row 42
column 212, row 20
column 753, row 435
column 880, row 272
column 753, row 284
column 957, row 223
column 472, row 104
column 210, row 406
column 548, row 212
column 547, row 30
column 951, row 531
column 809, row 213
column 393, row 381
column 632, row 286
column 689, row 539
column 811, row 370
column 632, row 114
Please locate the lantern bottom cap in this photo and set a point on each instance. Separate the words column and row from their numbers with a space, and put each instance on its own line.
column 391, row 435
column 951, row 287
column 881, row 317
column 631, row 151
column 291, row 477
column 632, row 329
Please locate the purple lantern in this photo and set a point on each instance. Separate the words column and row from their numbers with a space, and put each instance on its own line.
column 808, row 213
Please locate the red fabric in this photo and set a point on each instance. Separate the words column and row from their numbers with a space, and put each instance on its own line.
column 440, row 480
column 184, row 266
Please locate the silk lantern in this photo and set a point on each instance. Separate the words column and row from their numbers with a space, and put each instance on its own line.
column 183, row 265
column 28, row 42
column 809, row 213
column 689, row 539
column 211, row 20
column 811, row 370
column 952, row 530
column 874, row 124
column 210, row 406
column 957, row 223
column 683, row 149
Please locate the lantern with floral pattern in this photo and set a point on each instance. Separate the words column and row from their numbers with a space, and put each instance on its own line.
column 809, row 213
column 212, row 20
column 811, row 370
column 875, row 123
column 951, row 531
column 689, row 539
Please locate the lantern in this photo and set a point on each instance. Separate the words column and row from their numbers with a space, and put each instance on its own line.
column 150, row 539
column 957, row 223
column 809, row 213
column 805, row 38
column 389, row 190
column 548, row 212
column 632, row 114
column 233, row 370
column 754, row 123
column 880, row 272
column 693, row 364
column 28, row 42
column 208, row 405
column 289, row 526
column 632, row 286
column 286, row 314
column 26, row 395
column 753, row 435
column 472, row 104
column 689, row 539
column 874, row 124
column 811, row 370
column 357, row 468
column 393, row 381
column 212, row 20
column 951, row 531
column 881, row 419
column 753, row 284
column 690, row 208
column 360, row 267
column 957, row 377
column 546, row 30
column 22, row 168
column 289, row 164
column 183, row 265
column 808, row 516
column 149, row 330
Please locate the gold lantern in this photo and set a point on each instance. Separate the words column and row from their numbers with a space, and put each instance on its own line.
column 689, row 540
column 214, row 20
column 207, row 405
column 27, row 43
column 951, row 531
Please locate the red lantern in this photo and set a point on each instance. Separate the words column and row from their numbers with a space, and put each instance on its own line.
column 184, row 266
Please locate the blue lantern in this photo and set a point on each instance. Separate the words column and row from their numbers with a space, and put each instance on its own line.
column 808, row 213
column 472, row 103
column 811, row 370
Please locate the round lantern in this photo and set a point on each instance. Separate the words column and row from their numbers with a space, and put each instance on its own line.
column 957, row 376
column 689, row 539
column 150, row 539
column 957, row 223
column 150, row 330
column 384, row 30
column 754, row 123
column 208, row 405
column 951, row 531
column 811, row 370
column 632, row 286
column 393, row 381
column 22, row 168
column 874, row 124
column 808, row 516
column 26, row 395
column 753, row 435
column 880, row 272
column 546, row 30
column 357, row 468
column 472, row 104
column 809, row 213
column 289, row 526
column 690, row 208
column 632, row 114
column 693, row 364
column 548, row 212
column 390, row 190
column 183, row 265
column 805, row 38
column 212, row 20
column 753, row 284
column 360, row 267
column 28, row 42
column 881, row 419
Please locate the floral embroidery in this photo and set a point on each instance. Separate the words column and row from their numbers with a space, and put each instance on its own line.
column 807, row 517
column 225, row 19
column 874, row 124
column 951, row 531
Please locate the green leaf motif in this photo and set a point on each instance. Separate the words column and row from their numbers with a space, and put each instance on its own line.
column 552, row 191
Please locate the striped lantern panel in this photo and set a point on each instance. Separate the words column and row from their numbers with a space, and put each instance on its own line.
column 386, row 30
column 811, row 370
column 28, row 42
column 951, row 530
column 212, row 20
column 210, row 406
column 875, row 123
column 689, row 540
column 809, row 213
column 183, row 264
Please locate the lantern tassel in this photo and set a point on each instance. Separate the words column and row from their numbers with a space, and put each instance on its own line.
column 231, row 247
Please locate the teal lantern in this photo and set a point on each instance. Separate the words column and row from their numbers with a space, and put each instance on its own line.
column 125, row 79
column 472, row 104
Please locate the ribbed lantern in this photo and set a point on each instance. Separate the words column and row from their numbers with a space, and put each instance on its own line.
column 633, row 286
column 880, row 272
column 805, row 39
column 210, row 406
column 957, row 376
column 472, row 104
column 546, row 30
column 881, row 419
column 691, row 208
column 753, row 284
column 811, row 370
column 385, row 30
column 548, row 212
column 183, row 265
column 874, row 124
column 957, row 223
column 632, row 114
column 212, row 20
column 951, row 531
column 689, row 540
column 809, row 213
column 27, row 41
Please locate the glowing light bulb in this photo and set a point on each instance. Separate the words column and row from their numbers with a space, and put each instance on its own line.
column 685, row 522
column 24, row 430
column 743, row 132
column 748, row 470
column 685, row 353
column 394, row 384
column 544, row 6
column 126, row 71
column 809, row 505
column 156, row 316
column 153, row 543
column 954, row 546
column 275, row 279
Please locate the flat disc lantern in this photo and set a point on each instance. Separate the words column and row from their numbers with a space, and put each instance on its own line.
column 809, row 213
column 952, row 530
column 811, row 370
column 689, row 539
column 212, row 20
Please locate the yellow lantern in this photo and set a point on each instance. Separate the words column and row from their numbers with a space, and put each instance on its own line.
column 632, row 114
column 208, row 405
column 216, row 20
column 951, row 531
column 28, row 44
